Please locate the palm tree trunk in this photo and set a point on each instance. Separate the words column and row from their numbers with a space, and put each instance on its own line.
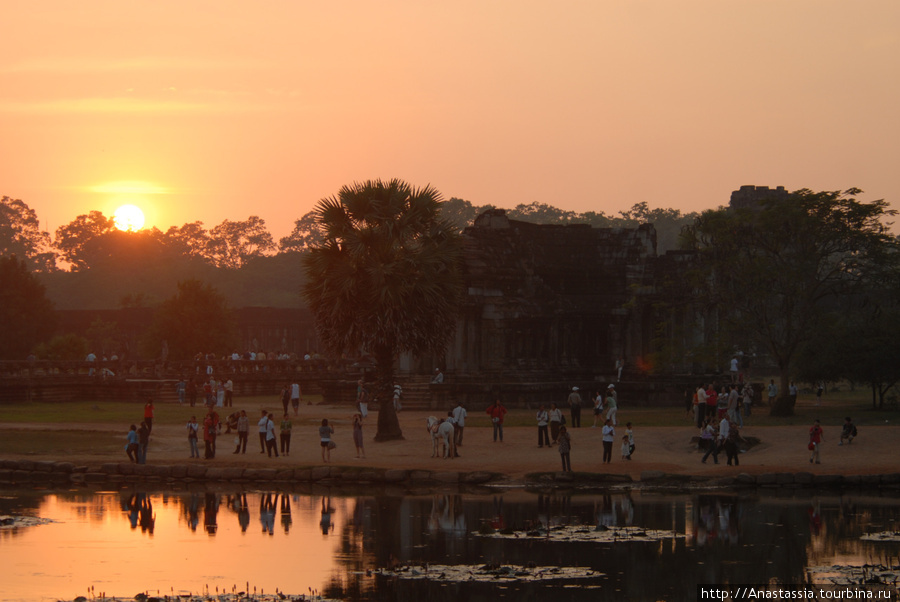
column 388, row 424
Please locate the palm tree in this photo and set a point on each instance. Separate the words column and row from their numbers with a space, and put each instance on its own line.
column 385, row 279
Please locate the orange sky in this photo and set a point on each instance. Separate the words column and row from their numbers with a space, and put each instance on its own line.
column 206, row 110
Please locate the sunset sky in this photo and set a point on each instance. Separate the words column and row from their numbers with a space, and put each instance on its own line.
column 206, row 110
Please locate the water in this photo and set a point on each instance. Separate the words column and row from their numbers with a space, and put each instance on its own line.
column 124, row 542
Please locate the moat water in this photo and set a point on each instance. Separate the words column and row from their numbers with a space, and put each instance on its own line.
column 175, row 542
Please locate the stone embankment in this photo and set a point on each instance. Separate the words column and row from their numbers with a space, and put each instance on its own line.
column 27, row 472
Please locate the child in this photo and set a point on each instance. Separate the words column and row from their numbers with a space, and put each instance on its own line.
column 848, row 431
column 629, row 432
column 816, row 436
column 625, row 447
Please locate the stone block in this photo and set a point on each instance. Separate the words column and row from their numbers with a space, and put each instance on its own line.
column 652, row 475
column 745, row 479
column 196, row 471
column 320, row 472
column 395, row 476
column 475, row 478
column 6, row 475
column 233, row 473
column 784, row 478
column 767, row 478
column 125, row 468
column 370, row 476
column 261, row 474
column 870, row 480
column 95, row 477
column 420, row 475
column 445, row 477
column 44, row 466
column 890, row 479
column 179, row 471
column 804, row 478
column 284, row 474
column 26, row 465
column 302, row 474
column 66, row 467
column 22, row 476
column 828, row 480
column 215, row 473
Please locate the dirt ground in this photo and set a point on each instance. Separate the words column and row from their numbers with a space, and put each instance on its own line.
column 668, row 449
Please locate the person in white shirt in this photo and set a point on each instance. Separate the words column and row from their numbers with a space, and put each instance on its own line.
column 263, row 430
column 459, row 417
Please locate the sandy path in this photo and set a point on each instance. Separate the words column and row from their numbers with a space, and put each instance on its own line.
column 782, row 449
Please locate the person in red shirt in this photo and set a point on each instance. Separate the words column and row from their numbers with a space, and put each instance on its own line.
column 148, row 415
column 712, row 399
column 816, row 436
column 497, row 412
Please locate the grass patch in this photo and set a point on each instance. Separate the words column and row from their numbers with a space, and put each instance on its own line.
column 127, row 412
column 61, row 443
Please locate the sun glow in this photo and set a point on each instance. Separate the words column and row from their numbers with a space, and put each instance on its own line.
column 129, row 218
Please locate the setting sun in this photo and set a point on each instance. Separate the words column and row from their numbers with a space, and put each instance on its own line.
column 129, row 218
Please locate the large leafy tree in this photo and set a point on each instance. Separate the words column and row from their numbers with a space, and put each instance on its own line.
column 305, row 235
column 774, row 269
column 26, row 316
column 73, row 239
column 196, row 320
column 233, row 243
column 21, row 235
column 386, row 278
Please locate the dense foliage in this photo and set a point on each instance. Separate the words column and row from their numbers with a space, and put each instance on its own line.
column 773, row 271
column 385, row 279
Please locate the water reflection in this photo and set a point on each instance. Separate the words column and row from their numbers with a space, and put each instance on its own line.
column 333, row 542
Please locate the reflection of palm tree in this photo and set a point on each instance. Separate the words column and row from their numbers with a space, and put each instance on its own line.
column 385, row 278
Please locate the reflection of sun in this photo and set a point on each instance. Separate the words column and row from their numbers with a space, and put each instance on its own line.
column 129, row 218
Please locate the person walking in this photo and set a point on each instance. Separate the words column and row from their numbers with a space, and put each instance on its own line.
column 816, row 437
column 285, row 433
column 192, row 432
column 711, row 436
column 271, row 439
column 565, row 447
column 459, row 423
column 575, row 407
column 325, row 432
column 243, row 432
column 296, row 395
column 285, row 397
column 612, row 404
column 542, row 420
column 148, row 415
column 772, row 391
column 358, row 436
column 556, row 421
column 732, row 450
column 210, row 432
column 629, row 432
column 598, row 407
column 609, row 435
column 263, row 426
column 497, row 412
column 132, row 444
